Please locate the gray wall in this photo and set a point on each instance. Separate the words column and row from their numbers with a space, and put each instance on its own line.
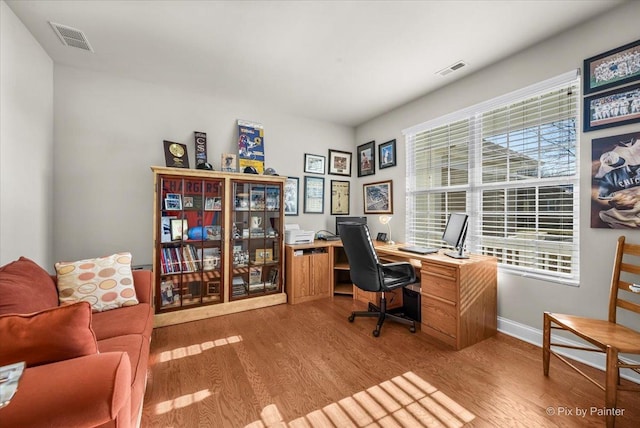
column 109, row 131
column 524, row 299
column 26, row 144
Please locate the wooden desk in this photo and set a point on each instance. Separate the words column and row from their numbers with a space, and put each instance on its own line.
column 458, row 296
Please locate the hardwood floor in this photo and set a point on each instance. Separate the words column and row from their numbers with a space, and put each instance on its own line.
column 307, row 366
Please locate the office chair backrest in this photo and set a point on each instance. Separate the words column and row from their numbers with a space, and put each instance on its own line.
column 363, row 261
column 626, row 273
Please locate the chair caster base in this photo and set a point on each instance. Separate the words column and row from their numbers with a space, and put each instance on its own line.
column 351, row 318
column 376, row 333
column 412, row 329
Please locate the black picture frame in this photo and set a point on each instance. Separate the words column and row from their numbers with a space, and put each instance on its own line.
column 340, row 196
column 313, row 195
column 603, row 71
column 387, row 154
column 378, row 197
column 339, row 163
column 596, row 115
column 367, row 159
column 291, row 192
column 382, row 237
column 314, row 164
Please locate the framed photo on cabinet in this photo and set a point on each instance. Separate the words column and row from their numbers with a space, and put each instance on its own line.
column 367, row 159
column 179, row 228
column 340, row 197
column 339, row 163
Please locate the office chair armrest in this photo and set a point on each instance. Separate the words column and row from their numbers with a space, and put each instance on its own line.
column 401, row 268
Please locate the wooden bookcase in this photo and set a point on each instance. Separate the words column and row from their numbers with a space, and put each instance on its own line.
column 218, row 243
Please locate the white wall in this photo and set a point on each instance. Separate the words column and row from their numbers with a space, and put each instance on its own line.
column 109, row 131
column 522, row 299
column 26, row 144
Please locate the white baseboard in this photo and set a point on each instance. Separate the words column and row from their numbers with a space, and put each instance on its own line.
column 534, row 336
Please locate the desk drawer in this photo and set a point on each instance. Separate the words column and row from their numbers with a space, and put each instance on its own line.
column 439, row 315
column 444, row 272
column 437, row 286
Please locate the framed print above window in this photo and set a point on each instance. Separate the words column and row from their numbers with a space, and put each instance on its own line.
column 367, row 159
column 339, row 163
column 614, row 108
column 291, row 187
column 340, row 197
column 313, row 195
column 314, row 164
column 387, row 154
column 612, row 68
column 378, row 197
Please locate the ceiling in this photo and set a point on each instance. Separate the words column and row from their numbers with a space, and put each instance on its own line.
column 339, row 61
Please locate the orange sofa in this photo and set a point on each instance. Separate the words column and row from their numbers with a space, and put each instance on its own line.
column 97, row 375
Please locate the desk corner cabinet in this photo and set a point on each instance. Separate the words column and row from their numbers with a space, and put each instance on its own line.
column 307, row 267
column 218, row 241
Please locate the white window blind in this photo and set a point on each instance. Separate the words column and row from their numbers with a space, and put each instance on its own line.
column 512, row 164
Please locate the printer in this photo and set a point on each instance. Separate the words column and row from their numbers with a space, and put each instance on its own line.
column 293, row 235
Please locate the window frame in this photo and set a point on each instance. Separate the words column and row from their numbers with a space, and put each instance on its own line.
column 418, row 195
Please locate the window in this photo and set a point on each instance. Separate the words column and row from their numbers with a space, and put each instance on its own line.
column 512, row 165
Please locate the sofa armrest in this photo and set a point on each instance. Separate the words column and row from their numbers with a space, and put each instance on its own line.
column 143, row 283
column 85, row 391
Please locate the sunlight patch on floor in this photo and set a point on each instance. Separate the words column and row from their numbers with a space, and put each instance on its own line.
column 182, row 401
column 406, row 401
column 187, row 351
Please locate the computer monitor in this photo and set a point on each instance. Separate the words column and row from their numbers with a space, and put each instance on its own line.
column 455, row 234
column 340, row 220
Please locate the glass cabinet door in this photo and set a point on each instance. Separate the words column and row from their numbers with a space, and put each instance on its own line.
column 191, row 248
column 256, row 234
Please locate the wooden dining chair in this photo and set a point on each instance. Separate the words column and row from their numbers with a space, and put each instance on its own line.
column 606, row 336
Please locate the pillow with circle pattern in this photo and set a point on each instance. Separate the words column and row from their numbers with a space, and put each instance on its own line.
column 105, row 282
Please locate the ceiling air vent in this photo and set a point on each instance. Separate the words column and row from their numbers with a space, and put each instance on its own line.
column 71, row 37
column 457, row 66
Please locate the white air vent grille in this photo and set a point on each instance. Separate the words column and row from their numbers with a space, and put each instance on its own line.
column 457, row 66
column 71, row 37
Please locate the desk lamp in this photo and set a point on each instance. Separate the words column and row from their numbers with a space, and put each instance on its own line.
column 386, row 219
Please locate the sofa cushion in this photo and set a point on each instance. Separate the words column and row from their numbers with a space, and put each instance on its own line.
column 25, row 287
column 105, row 282
column 44, row 337
column 136, row 319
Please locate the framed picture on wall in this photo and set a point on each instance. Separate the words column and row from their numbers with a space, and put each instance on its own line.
column 314, row 164
column 616, row 67
column 313, row 195
column 291, row 187
column 620, row 106
column 387, row 154
column 367, row 159
column 378, row 197
column 339, row 163
column 340, row 197
column 615, row 194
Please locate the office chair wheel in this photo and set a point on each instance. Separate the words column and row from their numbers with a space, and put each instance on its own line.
column 376, row 333
column 412, row 329
column 351, row 318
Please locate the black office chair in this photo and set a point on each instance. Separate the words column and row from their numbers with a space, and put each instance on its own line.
column 367, row 273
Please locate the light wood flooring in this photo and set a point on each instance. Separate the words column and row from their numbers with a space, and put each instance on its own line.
column 307, row 366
